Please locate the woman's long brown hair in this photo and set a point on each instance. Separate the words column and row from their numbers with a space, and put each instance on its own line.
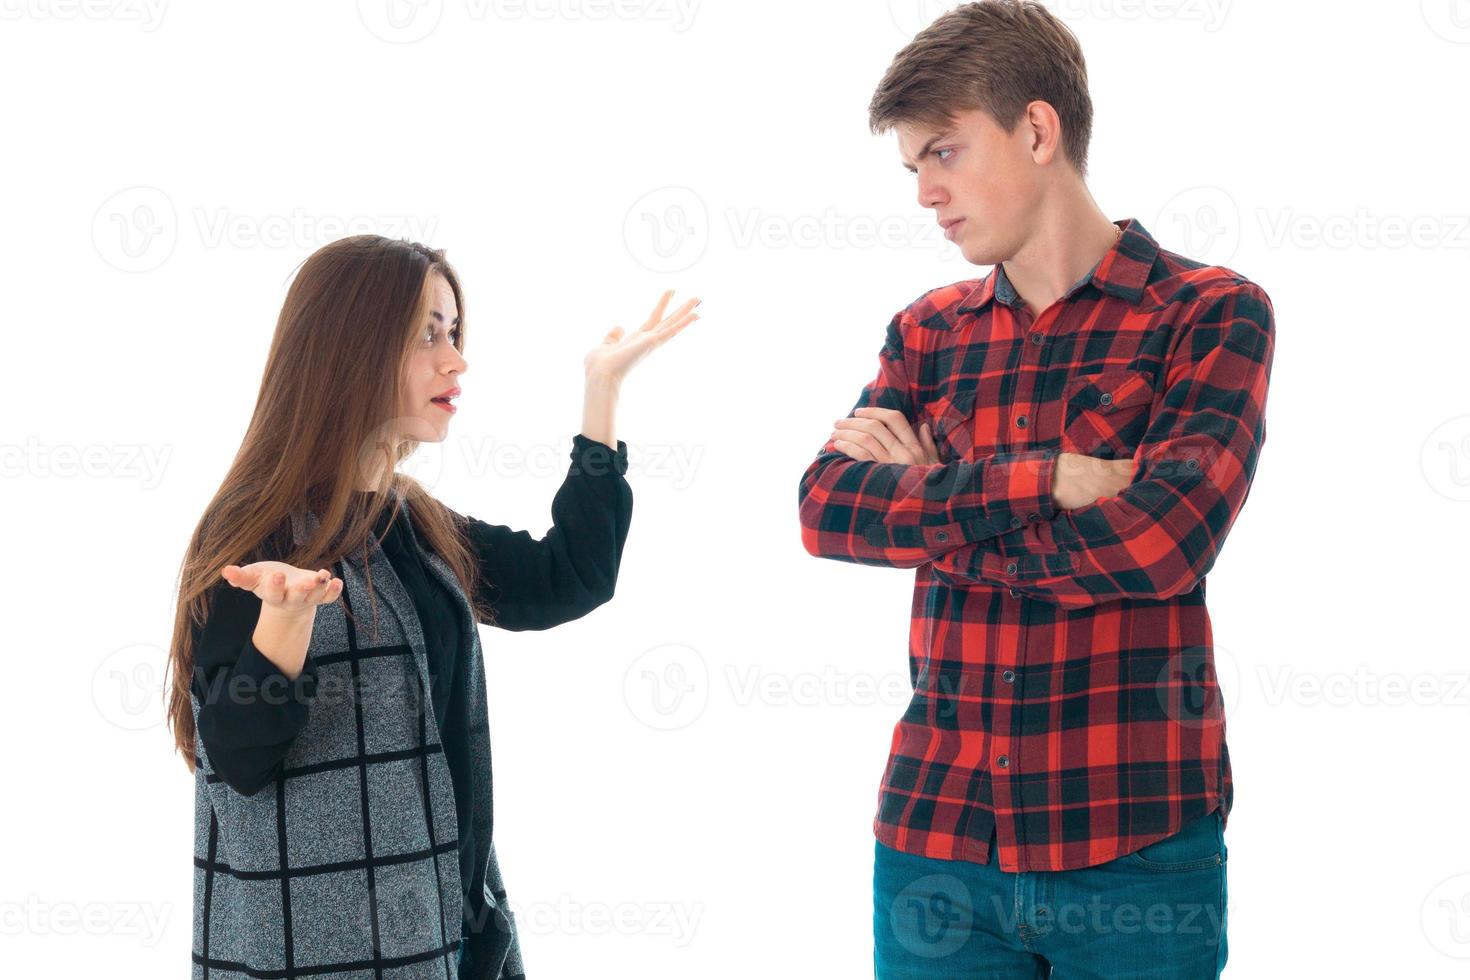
column 330, row 395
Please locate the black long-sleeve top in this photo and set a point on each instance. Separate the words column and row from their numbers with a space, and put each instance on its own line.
column 530, row 584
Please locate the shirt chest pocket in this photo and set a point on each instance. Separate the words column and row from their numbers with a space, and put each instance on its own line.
column 1106, row 414
column 961, row 429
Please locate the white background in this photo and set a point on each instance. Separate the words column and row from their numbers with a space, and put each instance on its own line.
column 168, row 166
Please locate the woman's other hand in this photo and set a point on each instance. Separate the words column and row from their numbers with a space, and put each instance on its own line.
column 285, row 588
column 610, row 361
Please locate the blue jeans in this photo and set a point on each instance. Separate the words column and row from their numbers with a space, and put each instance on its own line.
column 1156, row 913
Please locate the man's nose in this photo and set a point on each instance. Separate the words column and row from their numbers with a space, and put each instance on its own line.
column 931, row 195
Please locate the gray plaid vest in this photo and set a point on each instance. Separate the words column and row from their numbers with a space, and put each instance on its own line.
column 348, row 864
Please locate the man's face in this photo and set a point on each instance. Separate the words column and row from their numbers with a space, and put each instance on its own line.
column 975, row 175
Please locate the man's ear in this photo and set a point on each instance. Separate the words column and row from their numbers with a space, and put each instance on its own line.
column 1045, row 128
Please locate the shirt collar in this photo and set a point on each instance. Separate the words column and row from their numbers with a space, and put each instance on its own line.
column 1122, row 272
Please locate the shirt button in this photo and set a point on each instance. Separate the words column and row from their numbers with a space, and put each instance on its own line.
column 1191, row 463
column 1008, row 676
column 1015, row 522
column 1020, row 421
column 1036, row 338
column 1015, row 594
column 1003, row 761
column 1010, row 568
column 942, row 536
column 1033, row 517
column 1106, row 398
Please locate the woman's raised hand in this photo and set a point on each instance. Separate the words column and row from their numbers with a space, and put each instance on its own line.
column 285, row 587
column 615, row 356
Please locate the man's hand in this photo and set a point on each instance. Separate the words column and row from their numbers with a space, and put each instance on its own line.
column 883, row 435
column 1078, row 480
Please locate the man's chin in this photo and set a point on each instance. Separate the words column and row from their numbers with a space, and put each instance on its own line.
column 975, row 252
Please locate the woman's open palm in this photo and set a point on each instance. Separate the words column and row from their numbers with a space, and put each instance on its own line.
column 291, row 589
column 615, row 356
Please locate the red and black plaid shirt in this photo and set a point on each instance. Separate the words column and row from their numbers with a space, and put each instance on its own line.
column 1064, row 679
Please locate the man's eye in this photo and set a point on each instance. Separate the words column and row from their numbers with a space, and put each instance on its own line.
column 938, row 152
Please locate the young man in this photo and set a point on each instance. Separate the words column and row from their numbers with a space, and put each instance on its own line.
column 1059, row 449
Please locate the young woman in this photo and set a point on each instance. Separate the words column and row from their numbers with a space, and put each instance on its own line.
column 340, row 749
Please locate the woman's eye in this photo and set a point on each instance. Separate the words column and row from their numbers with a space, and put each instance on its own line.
column 429, row 336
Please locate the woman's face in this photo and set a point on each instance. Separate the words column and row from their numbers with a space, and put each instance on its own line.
column 435, row 366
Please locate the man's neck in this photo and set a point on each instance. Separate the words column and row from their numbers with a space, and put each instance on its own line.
column 1070, row 238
